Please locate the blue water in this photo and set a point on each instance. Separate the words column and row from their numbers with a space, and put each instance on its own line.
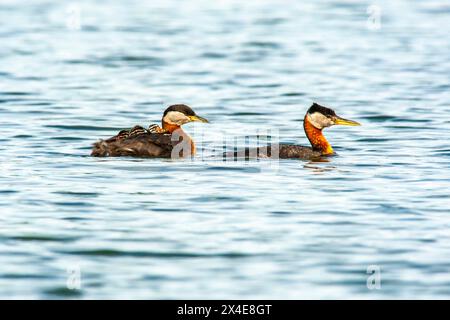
column 137, row 228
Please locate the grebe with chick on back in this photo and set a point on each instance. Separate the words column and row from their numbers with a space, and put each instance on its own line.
column 154, row 142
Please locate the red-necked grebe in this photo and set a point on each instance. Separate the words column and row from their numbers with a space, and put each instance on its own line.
column 316, row 119
column 155, row 142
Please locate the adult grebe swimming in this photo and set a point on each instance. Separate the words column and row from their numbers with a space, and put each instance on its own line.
column 316, row 119
column 155, row 142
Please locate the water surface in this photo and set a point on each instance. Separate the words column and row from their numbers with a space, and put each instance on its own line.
column 156, row 229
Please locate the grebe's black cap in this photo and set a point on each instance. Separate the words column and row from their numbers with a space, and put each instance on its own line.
column 321, row 109
column 184, row 109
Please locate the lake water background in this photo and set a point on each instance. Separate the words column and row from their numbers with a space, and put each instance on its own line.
column 151, row 228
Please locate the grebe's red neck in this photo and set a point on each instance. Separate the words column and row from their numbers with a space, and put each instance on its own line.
column 182, row 135
column 170, row 127
column 316, row 138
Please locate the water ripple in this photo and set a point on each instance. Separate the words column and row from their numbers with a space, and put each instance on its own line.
column 153, row 229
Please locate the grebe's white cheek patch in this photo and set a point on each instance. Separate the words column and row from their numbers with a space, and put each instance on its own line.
column 175, row 117
column 318, row 120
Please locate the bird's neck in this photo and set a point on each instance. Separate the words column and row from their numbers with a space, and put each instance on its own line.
column 171, row 128
column 316, row 138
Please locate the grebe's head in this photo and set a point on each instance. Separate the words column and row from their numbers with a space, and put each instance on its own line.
column 322, row 117
column 179, row 114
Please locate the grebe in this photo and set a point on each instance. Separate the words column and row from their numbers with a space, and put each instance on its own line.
column 155, row 142
column 316, row 119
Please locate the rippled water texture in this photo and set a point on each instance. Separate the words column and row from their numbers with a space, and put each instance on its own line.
column 136, row 228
